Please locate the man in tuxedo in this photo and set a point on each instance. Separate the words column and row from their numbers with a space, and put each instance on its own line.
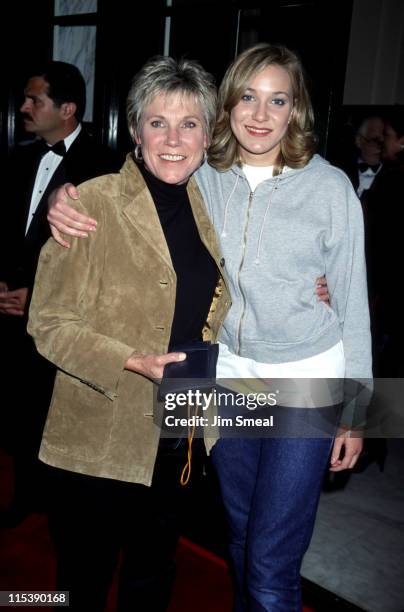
column 367, row 165
column 53, row 108
column 366, row 170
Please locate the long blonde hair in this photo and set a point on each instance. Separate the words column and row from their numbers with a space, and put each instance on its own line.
column 298, row 144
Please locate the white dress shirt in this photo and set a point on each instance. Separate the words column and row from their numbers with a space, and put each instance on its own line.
column 366, row 179
column 47, row 168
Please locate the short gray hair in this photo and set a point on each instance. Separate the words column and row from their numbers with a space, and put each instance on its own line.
column 166, row 75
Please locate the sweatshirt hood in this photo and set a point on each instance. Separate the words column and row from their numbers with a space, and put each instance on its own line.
column 275, row 182
column 291, row 173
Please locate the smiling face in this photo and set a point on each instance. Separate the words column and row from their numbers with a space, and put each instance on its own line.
column 172, row 137
column 260, row 119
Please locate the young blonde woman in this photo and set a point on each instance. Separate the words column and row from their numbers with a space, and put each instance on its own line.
column 284, row 217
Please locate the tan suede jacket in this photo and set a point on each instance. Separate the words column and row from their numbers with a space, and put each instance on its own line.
column 96, row 303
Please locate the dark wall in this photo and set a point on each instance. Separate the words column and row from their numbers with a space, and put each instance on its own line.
column 205, row 31
column 213, row 32
column 127, row 36
column 319, row 32
column 25, row 39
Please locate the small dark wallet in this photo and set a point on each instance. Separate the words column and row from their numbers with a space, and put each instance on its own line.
column 197, row 371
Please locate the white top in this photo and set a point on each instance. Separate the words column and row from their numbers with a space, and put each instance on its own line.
column 256, row 174
column 47, row 168
column 366, row 179
column 328, row 364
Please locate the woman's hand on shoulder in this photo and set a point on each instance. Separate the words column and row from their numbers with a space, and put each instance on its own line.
column 347, row 447
column 63, row 218
column 151, row 365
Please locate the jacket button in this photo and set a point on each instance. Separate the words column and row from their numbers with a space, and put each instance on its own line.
column 222, row 262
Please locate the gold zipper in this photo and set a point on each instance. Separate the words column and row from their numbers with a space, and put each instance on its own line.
column 239, row 272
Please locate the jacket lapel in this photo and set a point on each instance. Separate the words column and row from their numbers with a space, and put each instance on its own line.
column 140, row 211
column 205, row 228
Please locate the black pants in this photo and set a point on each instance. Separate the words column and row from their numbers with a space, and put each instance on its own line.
column 27, row 382
column 93, row 520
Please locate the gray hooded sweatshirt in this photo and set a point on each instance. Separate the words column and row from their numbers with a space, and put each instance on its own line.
column 275, row 242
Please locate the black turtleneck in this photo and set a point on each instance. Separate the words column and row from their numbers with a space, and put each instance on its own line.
column 194, row 266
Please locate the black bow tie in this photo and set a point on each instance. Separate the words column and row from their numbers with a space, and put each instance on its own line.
column 363, row 167
column 59, row 148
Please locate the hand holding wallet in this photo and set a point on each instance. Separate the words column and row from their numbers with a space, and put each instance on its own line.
column 197, row 371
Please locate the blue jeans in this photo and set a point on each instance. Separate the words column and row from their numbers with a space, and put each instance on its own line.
column 270, row 489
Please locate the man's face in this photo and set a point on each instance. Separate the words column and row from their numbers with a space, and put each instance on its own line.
column 40, row 114
column 369, row 140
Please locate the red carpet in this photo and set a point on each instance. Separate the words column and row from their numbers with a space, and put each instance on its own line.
column 27, row 563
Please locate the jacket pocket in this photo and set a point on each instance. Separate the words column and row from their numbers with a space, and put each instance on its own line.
column 80, row 420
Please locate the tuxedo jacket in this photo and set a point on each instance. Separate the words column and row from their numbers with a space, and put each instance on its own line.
column 19, row 254
column 350, row 167
column 384, row 218
column 28, row 377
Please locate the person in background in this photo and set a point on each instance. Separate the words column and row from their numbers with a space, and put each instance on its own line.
column 364, row 166
column 377, row 176
column 393, row 141
column 53, row 108
column 365, row 163
column 284, row 216
column 386, row 213
column 384, row 218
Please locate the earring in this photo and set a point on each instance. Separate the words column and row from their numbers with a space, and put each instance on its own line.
column 138, row 153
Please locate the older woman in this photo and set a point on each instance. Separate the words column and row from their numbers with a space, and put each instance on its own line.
column 105, row 312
